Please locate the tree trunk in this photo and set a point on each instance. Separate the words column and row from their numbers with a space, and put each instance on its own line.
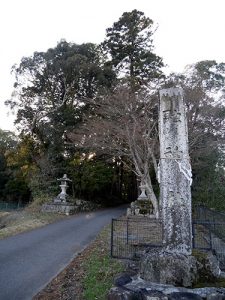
column 146, row 181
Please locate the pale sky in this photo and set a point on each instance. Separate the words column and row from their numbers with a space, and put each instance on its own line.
column 188, row 31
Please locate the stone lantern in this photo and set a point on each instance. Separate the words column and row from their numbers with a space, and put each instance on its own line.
column 60, row 204
column 63, row 185
column 142, row 206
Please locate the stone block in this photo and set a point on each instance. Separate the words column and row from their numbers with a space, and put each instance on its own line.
column 152, row 295
column 62, row 208
column 122, row 279
column 215, row 296
column 145, row 290
column 184, row 296
column 168, row 268
column 207, row 266
column 119, row 293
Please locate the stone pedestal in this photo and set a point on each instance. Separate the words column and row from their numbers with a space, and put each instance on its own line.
column 62, row 208
column 169, row 268
column 175, row 173
column 142, row 206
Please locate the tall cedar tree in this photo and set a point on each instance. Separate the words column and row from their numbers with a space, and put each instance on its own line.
column 130, row 47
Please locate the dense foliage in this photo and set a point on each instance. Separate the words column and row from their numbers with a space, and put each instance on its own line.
column 91, row 111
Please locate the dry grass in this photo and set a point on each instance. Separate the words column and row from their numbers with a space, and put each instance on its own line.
column 15, row 222
column 3, row 213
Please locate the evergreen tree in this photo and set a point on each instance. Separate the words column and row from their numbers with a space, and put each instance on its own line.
column 50, row 95
column 130, row 46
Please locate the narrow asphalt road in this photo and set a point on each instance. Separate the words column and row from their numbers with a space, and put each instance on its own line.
column 28, row 261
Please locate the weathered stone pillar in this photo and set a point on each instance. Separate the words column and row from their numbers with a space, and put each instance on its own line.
column 175, row 173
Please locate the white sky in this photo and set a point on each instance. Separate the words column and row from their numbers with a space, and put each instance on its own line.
column 188, row 31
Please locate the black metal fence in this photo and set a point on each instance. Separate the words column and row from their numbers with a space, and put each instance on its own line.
column 210, row 236
column 131, row 235
column 209, row 232
column 10, row 205
column 205, row 214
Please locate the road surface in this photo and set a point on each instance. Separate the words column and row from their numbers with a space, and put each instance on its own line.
column 28, row 261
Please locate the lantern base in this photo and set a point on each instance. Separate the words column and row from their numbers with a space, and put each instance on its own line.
column 62, row 208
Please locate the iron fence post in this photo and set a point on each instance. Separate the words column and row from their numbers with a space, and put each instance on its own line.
column 193, row 235
column 214, row 223
column 210, row 240
column 127, row 233
column 111, row 250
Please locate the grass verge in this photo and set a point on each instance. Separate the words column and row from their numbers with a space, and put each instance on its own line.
column 100, row 269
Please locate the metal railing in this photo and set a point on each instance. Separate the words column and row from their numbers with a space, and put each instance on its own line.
column 209, row 232
column 10, row 205
column 203, row 213
column 129, row 236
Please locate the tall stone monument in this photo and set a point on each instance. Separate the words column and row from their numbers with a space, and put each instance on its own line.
column 175, row 173
column 174, row 263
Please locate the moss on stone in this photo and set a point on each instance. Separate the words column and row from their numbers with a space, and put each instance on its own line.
column 145, row 206
column 219, row 282
column 207, row 266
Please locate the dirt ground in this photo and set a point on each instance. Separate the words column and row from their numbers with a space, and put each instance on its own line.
column 67, row 285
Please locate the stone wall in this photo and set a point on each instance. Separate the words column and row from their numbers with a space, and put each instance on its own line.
column 83, row 205
column 69, row 208
column 62, row 208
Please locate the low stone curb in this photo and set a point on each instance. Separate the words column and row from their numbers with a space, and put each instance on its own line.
column 135, row 288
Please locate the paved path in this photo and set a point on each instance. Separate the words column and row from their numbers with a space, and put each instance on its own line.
column 29, row 261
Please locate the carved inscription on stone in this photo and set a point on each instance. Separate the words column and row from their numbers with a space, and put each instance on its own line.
column 171, row 109
column 173, row 152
